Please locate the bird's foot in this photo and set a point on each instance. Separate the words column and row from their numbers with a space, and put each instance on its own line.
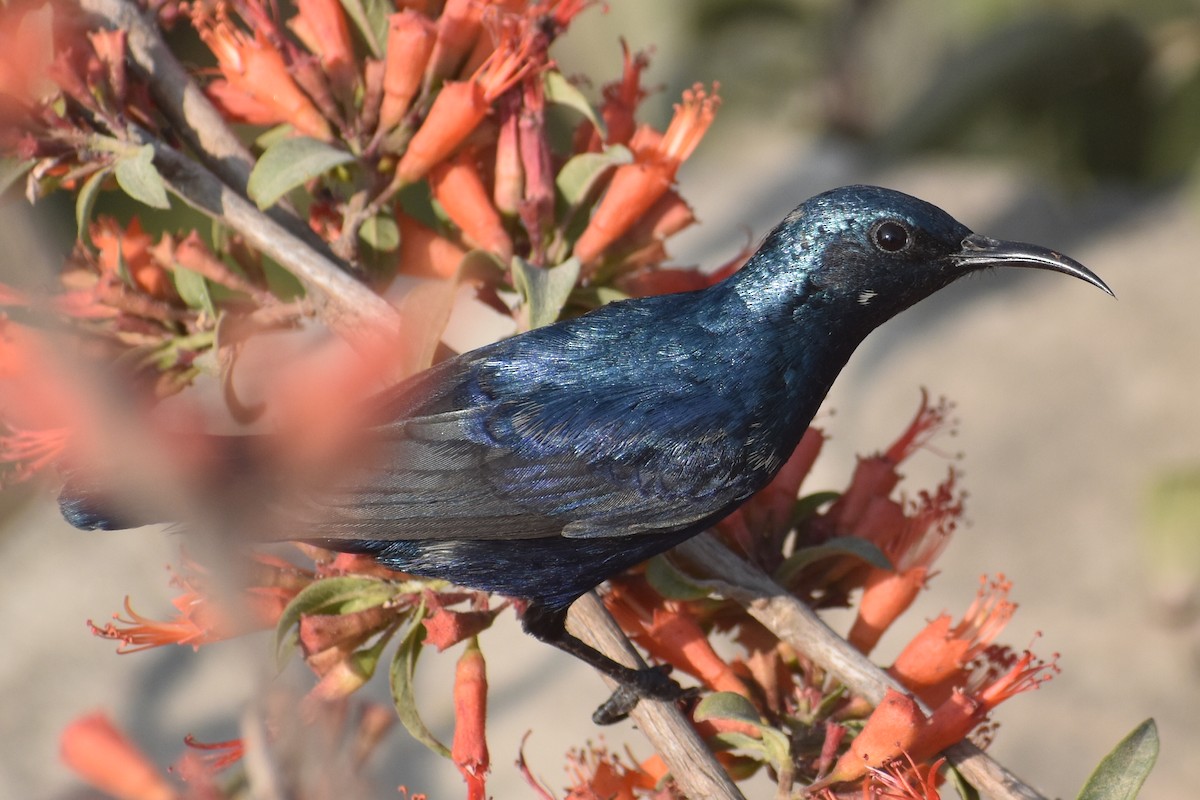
column 653, row 683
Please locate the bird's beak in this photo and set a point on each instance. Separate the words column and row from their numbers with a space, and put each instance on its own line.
column 979, row 252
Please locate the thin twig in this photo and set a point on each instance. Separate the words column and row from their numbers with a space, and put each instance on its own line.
column 798, row 625
column 691, row 763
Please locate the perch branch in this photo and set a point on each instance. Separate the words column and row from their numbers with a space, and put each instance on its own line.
column 798, row 625
column 691, row 763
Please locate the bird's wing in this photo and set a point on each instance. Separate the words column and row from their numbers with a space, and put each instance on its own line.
column 509, row 443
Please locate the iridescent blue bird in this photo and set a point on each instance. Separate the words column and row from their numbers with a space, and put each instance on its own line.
column 538, row 466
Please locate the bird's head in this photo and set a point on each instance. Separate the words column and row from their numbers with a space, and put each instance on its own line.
column 879, row 251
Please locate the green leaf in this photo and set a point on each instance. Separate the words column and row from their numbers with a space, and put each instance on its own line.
column 1123, row 771
column 561, row 91
column 381, row 232
column 672, row 584
column 86, row 201
column 580, row 173
column 13, row 170
column 727, row 705
column 339, row 595
column 732, row 740
column 400, row 677
column 837, row 546
column 290, row 163
column 138, row 177
column 544, row 291
column 809, row 504
column 193, row 290
column 371, row 19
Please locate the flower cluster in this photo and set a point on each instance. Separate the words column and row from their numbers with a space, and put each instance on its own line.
column 428, row 151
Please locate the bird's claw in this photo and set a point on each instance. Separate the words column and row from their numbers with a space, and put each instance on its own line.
column 650, row 682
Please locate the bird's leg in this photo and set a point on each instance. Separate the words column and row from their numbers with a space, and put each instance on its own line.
column 550, row 626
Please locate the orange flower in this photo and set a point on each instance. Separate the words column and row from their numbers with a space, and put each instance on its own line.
column 939, row 658
column 202, row 620
column 670, row 634
column 963, row 711
column 469, row 749
column 410, row 41
column 104, row 757
column 321, row 25
column 636, row 187
column 509, row 179
column 599, row 775
column 425, row 254
column 911, row 546
column 457, row 29
column 130, row 250
column 903, row 779
column 460, row 106
column 457, row 186
column 894, row 727
column 257, row 87
column 23, row 453
column 622, row 97
column 196, row 625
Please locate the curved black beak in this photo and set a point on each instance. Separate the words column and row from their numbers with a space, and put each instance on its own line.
column 980, row 252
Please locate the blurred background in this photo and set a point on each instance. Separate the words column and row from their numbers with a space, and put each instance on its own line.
column 1073, row 124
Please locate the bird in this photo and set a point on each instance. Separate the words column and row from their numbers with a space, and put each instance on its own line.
column 540, row 465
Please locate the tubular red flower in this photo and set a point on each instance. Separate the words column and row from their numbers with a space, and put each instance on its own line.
column 460, row 106
column 257, row 86
column 469, row 749
column 886, row 596
column 457, row 29
column 24, row 453
column 939, row 658
column 321, row 25
column 963, row 711
column 636, row 187
column 458, row 187
column 410, row 41
column 129, row 249
column 894, row 727
column 105, row 757
column 622, row 97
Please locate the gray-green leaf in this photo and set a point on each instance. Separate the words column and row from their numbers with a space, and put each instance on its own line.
column 559, row 90
column 400, row 677
column 837, row 546
column 580, row 173
column 138, row 177
column 381, row 233
column 193, row 290
column 289, row 163
column 86, row 201
column 1123, row 771
column 544, row 291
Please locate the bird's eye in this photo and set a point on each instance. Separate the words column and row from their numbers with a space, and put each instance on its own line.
column 890, row 236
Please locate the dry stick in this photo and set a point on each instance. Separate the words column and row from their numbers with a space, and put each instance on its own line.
column 691, row 762
column 798, row 625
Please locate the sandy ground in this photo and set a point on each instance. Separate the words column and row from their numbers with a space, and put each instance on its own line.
column 1071, row 403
